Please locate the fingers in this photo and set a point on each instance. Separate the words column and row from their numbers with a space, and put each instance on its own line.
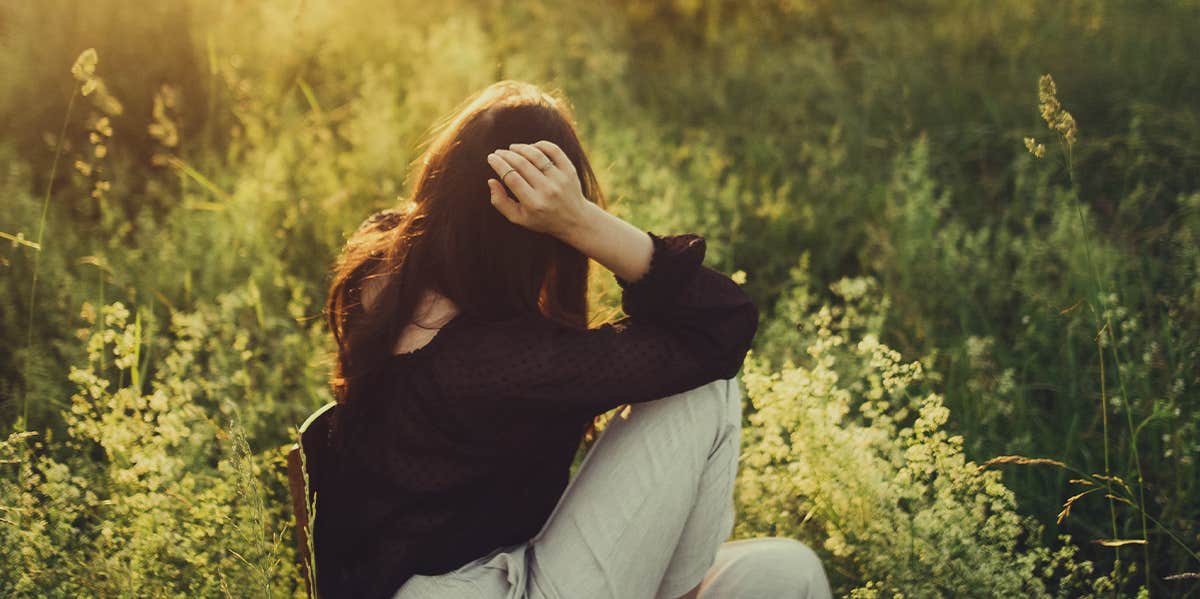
column 556, row 154
column 535, row 156
column 505, row 170
column 505, row 205
column 534, row 177
column 540, row 199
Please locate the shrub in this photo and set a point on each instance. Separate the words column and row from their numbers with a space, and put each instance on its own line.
column 846, row 450
column 153, row 491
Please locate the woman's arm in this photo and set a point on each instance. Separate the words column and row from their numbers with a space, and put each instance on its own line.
column 551, row 200
column 687, row 324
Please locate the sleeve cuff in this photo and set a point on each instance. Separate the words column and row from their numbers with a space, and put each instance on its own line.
column 674, row 263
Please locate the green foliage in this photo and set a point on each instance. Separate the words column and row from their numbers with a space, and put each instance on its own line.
column 848, row 449
column 157, row 493
column 934, row 295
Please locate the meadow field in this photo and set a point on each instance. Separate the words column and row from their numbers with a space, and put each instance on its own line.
column 972, row 228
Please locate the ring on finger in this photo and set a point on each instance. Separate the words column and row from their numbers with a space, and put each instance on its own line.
column 507, row 173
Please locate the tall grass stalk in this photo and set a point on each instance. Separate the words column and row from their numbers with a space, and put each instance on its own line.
column 265, row 557
column 1067, row 145
column 310, row 505
column 62, row 134
column 1112, row 506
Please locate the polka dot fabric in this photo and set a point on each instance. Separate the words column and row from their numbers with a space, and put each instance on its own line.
column 472, row 440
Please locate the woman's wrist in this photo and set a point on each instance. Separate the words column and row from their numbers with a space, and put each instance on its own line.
column 583, row 227
column 616, row 244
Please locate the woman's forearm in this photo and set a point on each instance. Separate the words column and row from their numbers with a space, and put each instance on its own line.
column 549, row 199
column 616, row 244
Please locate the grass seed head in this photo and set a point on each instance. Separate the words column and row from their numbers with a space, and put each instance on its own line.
column 1035, row 148
column 1056, row 117
column 84, row 68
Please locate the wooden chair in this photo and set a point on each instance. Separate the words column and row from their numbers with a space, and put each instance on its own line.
column 314, row 442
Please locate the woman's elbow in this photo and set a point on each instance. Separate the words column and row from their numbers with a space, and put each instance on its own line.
column 740, row 331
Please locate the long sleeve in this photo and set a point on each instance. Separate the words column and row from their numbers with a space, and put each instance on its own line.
column 686, row 325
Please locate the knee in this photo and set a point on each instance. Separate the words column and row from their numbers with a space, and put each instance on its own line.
column 727, row 394
column 733, row 399
column 722, row 405
column 711, row 413
column 724, row 397
column 719, row 401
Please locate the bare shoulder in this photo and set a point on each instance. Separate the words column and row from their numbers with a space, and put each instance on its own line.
column 433, row 312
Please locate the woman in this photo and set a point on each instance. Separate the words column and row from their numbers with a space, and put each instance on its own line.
column 467, row 374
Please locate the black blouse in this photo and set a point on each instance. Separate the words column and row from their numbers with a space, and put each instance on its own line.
column 472, row 444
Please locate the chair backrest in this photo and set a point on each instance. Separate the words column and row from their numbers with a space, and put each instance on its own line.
column 314, row 443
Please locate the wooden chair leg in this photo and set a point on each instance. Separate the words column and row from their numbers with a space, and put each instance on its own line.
column 296, row 486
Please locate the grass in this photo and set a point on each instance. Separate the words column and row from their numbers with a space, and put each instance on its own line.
column 857, row 167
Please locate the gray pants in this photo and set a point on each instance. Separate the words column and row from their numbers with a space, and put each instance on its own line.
column 646, row 517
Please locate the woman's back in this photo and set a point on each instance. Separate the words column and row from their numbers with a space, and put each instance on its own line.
column 465, row 444
column 425, row 483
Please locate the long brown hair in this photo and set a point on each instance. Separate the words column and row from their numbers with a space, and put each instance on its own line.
column 452, row 241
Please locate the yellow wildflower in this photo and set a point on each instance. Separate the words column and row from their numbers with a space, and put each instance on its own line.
column 88, row 313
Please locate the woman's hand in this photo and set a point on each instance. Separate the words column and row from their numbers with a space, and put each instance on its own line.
column 551, row 201
column 549, row 195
